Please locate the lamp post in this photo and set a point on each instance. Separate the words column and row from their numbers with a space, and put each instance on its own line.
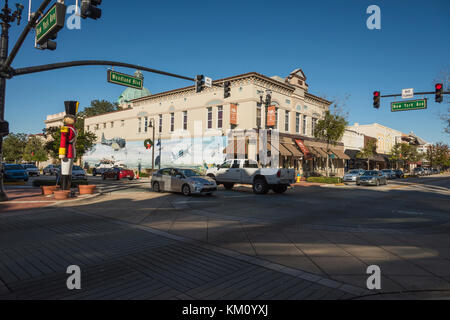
column 6, row 17
column 152, row 125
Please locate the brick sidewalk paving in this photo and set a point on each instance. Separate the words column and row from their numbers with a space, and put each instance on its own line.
column 122, row 261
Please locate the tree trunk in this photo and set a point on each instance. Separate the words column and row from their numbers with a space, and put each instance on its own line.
column 368, row 164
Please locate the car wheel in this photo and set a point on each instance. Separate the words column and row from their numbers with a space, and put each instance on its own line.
column 156, row 187
column 228, row 186
column 212, row 176
column 117, row 177
column 279, row 189
column 186, row 190
column 130, row 178
column 260, row 186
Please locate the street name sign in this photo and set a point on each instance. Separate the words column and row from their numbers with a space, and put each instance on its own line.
column 125, row 80
column 408, row 93
column 409, row 105
column 50, row 23
column 208, row 82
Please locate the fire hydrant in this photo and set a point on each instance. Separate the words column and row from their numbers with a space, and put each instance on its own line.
column 298, row 177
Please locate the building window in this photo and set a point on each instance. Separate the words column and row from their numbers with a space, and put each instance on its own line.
column 146, row 124
column 313, row 125
column 297, row 122
column 304, row 125
column 139, row 125
column 112, row 124
column 96, row 126
column 122, row 123
column 276, row 118
column 288, row 101
column 258, row 115
column 286, row 121
column 104, row 125
column 220, row 117
column 185, row 120
column 172, row 122
column 160, row 123
column 210, row 118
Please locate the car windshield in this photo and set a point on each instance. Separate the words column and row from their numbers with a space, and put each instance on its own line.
column 386, row 170
column 354, row 172
column 29, row 166
column 371, row 173
column 14, row 167
column 190, row 173
column 77, row 168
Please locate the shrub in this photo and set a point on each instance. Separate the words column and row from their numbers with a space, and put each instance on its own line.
column 329, row 180
column 40, row 183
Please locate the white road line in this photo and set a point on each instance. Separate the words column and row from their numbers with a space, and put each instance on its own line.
column 408, row 212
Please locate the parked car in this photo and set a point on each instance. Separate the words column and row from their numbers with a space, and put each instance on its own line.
column 50, row 170
column 352, row 175
column 78, row 173
column 390, row 174
column 399, row 174
column 15, row 172
column 372, row 177
column 32, row 170
column 118, row 173
column 104, row 166
column 186, row 181
column 245, row 171
column 427, row 171
column 419, row 171
column 436, row 171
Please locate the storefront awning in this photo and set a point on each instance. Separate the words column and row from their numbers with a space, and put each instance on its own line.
column 283, row 150
column 315, row 152
column 340, row 154
column 289, row 144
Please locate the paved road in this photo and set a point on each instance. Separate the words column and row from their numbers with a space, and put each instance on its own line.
column 331, row 232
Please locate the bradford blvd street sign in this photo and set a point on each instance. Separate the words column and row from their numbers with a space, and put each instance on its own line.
column 408, row 93
column 125, row 80
column 409, row 105
column 51, row 23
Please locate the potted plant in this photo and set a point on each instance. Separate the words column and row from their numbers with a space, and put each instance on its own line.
column 86, row 189
column 48, row 190
column 62, row 194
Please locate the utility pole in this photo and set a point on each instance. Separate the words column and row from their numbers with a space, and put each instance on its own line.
column 152, row 125
column 6, row 17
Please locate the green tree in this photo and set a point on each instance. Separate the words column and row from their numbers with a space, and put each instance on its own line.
column 14, row 147
column 98, row 107
column 396, row 155
column 35, row 150
column 330, row 129
column 437, row 155
column 368, row 151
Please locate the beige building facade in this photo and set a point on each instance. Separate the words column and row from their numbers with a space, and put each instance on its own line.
column 386, row 137
column 183, row 119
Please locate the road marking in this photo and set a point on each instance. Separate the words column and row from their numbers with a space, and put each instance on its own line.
column 408, row 212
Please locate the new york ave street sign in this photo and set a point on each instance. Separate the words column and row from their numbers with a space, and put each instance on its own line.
column 409, row 105
column 51, row 23
column 125, row 80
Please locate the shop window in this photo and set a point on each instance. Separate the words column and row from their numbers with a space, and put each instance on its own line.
column 219, row 117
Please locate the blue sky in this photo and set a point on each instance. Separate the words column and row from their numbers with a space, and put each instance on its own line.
column 329, row 40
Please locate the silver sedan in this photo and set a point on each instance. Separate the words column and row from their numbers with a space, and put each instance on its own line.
column 186, row 181
column 371, row 177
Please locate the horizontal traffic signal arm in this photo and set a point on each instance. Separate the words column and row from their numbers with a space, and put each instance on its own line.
column 415, row 93
column 61, row 65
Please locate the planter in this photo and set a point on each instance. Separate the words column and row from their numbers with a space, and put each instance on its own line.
column 62, row 195
column 86, row 189
column 48, row 190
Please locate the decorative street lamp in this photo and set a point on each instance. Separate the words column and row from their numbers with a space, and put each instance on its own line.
column 152, row 125
column 6, row 17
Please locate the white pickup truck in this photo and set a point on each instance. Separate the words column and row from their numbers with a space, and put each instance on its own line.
column 242, row 171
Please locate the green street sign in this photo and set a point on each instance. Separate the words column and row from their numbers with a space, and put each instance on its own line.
column 50, row 23
column 409, row 105
column 125, row 80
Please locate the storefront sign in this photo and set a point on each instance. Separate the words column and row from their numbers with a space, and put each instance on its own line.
column 271, row 116
column 233, row 114
column 302, row 147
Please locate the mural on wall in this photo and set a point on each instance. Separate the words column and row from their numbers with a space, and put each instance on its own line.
column 182, row 152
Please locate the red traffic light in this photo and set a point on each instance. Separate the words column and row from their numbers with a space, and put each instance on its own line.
column 376, row 93
column 438, row 86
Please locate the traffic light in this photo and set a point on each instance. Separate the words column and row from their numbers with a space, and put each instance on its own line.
column 268, row 99
column 89, row 9
column 376, row 99
column 227, row 89
column 199, row 83
column 439, row 91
